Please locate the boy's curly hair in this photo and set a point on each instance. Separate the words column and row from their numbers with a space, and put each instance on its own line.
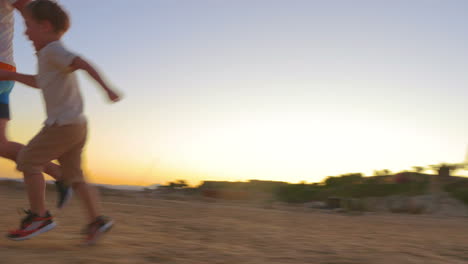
column 47, row 10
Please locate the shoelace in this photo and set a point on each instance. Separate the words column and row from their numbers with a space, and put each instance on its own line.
column 28, row 218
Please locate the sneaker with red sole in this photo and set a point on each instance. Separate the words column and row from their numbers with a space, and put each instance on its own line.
column 96, row 229
column 32, row 225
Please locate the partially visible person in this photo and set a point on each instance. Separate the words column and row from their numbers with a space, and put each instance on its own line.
column 10, row 149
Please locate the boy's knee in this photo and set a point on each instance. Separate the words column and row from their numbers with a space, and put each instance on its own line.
column 20, row 160
column 25, row 165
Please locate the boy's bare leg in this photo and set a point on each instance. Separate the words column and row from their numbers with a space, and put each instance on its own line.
column 54, row 171
column 89, row 197
column 35, row 187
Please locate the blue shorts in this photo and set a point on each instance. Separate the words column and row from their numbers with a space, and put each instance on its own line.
column 5, row 90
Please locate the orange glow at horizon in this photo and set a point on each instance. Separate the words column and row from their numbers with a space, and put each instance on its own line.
column 262, row 149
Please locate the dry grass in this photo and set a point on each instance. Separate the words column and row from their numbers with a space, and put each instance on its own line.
column 163, row 231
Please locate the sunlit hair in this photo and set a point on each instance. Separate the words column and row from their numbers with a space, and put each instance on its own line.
column 47, row 10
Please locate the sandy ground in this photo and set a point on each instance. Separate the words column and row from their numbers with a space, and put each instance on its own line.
column 167, row 231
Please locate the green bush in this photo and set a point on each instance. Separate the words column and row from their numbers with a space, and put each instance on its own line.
column 296, row 193
column 458, row 189
column 299, row 193
column 345, row 179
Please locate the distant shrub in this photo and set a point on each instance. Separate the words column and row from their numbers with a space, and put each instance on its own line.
column 348, row 187
column 345, row 179
column 297, row 193
column 379, row 190
column 252, row 185
column 458, row 189
column 178, row 184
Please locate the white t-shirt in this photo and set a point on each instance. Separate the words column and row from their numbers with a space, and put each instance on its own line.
column 59, row 85
column 6, row 31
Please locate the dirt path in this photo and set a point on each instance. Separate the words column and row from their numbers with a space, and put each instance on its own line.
column 160, row 231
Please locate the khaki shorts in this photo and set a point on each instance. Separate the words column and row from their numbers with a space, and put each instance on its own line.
column 63, row 143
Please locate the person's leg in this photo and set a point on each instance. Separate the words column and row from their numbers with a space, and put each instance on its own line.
column 89, row 197
column 31, row 161
column 35, row 188
column 70, row 163
column 71, row 166
column 73, row 175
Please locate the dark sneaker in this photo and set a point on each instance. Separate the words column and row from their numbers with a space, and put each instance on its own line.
column 31, row 226
column 64, row 192
column 96, row 229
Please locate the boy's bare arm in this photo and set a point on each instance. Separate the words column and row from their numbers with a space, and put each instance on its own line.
column 79, row 63
column 29, row 80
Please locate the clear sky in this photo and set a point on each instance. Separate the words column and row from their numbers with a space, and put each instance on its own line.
column 263, row 89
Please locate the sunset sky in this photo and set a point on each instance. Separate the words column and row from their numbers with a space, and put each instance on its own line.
column 290, row 90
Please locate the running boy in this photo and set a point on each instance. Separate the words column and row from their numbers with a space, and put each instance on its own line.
column 10, row 149
column 64, row 133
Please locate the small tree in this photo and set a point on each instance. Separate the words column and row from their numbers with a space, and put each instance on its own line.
column 445, row 169
column 418, row 169
column 178, row 184
column 384, row 172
